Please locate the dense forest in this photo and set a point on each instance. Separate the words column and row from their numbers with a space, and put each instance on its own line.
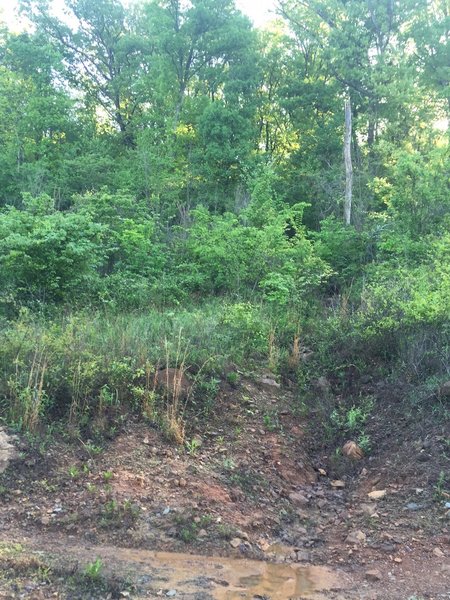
column 173, row 191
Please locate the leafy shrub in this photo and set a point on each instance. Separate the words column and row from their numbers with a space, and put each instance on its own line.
column 47, row 256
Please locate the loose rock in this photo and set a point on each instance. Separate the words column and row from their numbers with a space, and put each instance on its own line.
column 7, row 450
column 377, row 494
column 269, row 382
column 356, row 537
column 338, row 483
column 298, row 499
column 373, row 575
column 369, row 509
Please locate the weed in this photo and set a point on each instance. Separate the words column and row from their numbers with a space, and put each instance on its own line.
column 119, row 515
column 74, row 472
column 108, row 475
column 271, row 421
column 91, row 448
column 228, row 464
column 28, row 398
column 188, row 527
column 107, row 398
column 233, row 378
column 207, row 389
column 352, row 421
column 364, row 443
column 93, row 570
column 44, row 574
column 225, row 531
column 440, row 489
column 192, row 446
column 176, row 400
column 146, row 394
column 48, row 487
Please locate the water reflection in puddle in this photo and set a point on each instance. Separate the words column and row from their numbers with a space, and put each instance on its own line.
column 235, row 579
column 278, row 582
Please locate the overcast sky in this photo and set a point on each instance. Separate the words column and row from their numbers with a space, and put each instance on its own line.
column 260, row 11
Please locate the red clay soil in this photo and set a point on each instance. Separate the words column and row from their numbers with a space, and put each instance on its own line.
column 250, row 488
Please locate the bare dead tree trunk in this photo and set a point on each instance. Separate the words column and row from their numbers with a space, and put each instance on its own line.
column 348, row 162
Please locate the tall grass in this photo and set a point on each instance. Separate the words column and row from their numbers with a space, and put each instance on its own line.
column 80, row 366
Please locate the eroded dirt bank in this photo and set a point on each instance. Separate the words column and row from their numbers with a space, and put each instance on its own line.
column 250, row 489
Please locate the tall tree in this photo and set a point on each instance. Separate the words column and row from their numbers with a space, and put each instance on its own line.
column 103, row 56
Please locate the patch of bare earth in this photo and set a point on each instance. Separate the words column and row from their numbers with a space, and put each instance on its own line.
column 248, row 489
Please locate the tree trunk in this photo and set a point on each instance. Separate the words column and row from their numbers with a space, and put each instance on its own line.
column 348, row 162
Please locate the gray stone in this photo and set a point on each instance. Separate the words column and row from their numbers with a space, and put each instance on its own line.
column 413, row 506
column 7, row 450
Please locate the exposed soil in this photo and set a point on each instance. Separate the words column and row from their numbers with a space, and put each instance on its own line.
column 257, row 490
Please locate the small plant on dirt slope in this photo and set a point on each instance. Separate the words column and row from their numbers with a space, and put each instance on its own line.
column 192, row 446
column 108, row 475
column 94, row 569
column 74, row 472
column 271, row 421
column 28, row 396
column 352, row 421
column 176, row 396
column 188, row 527
column 442, row 488
column 115, row 514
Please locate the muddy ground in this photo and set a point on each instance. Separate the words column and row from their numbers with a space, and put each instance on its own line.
column 258, row 506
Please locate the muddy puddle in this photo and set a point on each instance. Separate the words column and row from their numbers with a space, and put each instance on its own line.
column 224, row 578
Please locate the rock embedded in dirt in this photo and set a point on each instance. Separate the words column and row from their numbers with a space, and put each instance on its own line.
column 338, row 484
column 368, row 509
column 377, row 494
column 373, row 575
column 235, row 542
column 438, row 552
column 303, row 556
column 413, row 506
column 269, row 382
column 7, row 450
column 298, row 499
column 356, row 537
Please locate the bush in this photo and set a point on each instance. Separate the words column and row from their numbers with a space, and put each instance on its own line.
column 47, row 256
column 87, row 366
